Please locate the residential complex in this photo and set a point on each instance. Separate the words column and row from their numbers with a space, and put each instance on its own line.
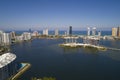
column 116, row 31
column 7, row 66
column 56, row 32
column 45, row 32
column 94, row 31
column 88, row 32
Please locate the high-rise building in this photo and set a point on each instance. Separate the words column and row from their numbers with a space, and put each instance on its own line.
column 56, row 32
column 114, row 32
column 99, row 33
column 12, row 35
column 8, row 67
column 88, row 32
column 94, row 31
column 65, row 33
column 6, row 39
column 70, row 30
column 26, row 36
column 45, row 32
column 118, row 32
column 0, row 39
column 1, row 34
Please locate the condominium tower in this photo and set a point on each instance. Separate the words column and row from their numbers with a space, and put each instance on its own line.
column 88, row 32
column 114, row 32
column 70, row 30
column 94, row 31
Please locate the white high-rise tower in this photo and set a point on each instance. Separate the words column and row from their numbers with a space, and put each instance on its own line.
column 6, row 38
column 88, row 32
column 56, row 32
column 94, row 31
column 45, row 32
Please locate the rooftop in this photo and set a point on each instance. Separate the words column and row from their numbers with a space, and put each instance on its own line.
column 6, row 58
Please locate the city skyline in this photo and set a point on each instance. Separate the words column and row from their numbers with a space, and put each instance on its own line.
column 60, row 14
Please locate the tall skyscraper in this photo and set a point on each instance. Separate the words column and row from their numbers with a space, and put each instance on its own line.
column 65, row 33
column 88, row 32
column 99, row 33
column 70, row 30
column 30, row 30
column 114, row 32
column 45, row 32
column 1, row 34
column 6, row 39
column 118, row 32
column 56, row 32
column 94, row 31
column 26, row 36
column 12, row 35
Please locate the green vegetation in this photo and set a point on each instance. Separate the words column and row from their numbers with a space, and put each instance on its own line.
column 3, row 49
column 44, row 78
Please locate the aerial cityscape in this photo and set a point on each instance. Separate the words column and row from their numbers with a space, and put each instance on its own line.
column 59, row 40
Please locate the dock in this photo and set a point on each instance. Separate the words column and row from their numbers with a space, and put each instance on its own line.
column 21, row 71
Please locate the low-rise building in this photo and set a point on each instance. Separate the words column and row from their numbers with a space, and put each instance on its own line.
column 35, row 34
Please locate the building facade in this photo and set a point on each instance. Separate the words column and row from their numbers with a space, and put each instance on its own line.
column 94, row 31
column 6, row 39
column 35, row 34
column 13, row 36
column 26, row 36
column 118, row 32
column 56, row 32
column 70, row 30
column 114, row 32
column 45, row 32
column 88, row 31
column 8, row 66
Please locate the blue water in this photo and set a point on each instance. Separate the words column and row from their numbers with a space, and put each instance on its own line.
column 22, row 65
column 50, row 60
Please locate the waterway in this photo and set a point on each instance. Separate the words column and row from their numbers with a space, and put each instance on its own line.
column 47, row 59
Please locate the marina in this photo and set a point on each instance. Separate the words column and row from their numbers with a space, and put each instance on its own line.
column 87, row 42
column 91, row 42
column 83, row 45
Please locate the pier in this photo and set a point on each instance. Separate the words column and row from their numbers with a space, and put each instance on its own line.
column 25, row 67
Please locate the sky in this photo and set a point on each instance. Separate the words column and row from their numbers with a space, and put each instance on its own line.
column 59, row 14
